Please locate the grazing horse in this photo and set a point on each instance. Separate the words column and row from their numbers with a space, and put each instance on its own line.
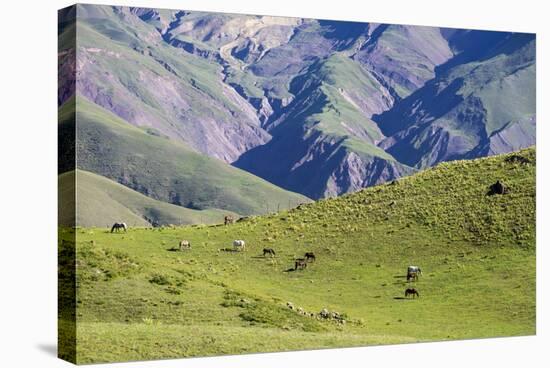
column 228, row 220
column 239, row 245
column 412, row 292
column 185, row 244
column 518, row 159
column 413, row 272
column 269, row 251
column 412, row 276
column 497, row 188
column 117, row 226
column 310, row 256
column 300, row 263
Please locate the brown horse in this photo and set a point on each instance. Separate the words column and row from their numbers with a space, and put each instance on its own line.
column 412, row 276
column 269, row 251
column 412, row 292
column 300, row 264
column 497, row 188
column 228, row 220
column 309, row 256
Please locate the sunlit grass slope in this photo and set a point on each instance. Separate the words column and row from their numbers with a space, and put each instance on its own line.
column 139, row 299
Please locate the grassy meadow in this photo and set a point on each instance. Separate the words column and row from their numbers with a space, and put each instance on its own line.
column 138, row 297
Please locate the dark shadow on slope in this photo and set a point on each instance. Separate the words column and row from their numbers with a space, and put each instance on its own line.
column 479, row 46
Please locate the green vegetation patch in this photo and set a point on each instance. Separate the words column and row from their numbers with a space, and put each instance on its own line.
column 476, row 251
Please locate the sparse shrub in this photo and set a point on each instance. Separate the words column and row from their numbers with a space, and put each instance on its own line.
column 110, row 264
column 173, row 290
column 159, row 279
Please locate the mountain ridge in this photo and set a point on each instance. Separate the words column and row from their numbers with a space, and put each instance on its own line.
column 137, row 158
column 386, row 100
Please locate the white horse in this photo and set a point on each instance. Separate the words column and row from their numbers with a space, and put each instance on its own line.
column 413, row 272
column 416, row 269
column 239, row 245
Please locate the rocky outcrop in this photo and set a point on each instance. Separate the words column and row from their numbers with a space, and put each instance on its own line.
column 355, row 172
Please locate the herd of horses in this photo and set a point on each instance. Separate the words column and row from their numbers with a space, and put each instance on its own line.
column 413, row 272
column 301, row 263
column 239, row 245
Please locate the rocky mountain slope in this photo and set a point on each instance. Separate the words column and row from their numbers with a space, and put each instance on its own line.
column 472, row 109
column 324, row 144
column 165, row 170
column 316, row 107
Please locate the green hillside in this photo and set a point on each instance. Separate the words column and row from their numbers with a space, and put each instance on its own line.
column 101, row 202
column 138, row 300
column 167, row 170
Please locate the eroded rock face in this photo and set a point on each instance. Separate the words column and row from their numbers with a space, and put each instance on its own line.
column 319, row 166
column 470, row 110
column 355, row 172
column 318, row 107
column 224, row 128
column 383, row 53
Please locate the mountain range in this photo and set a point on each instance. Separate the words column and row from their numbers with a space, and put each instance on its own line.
column 296, row 109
